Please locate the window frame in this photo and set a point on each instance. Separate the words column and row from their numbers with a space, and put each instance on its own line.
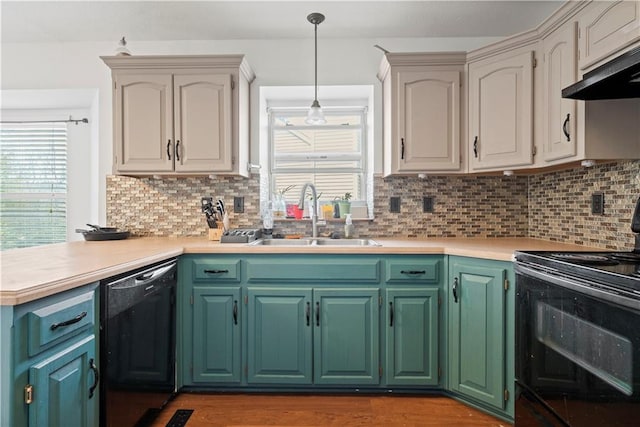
column 362, row 156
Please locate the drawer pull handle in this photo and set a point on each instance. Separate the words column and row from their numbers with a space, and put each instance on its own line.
column 178, row 150
column 235, row 312
column 216, row 271
column 455, row 290
column 96, row 377
column 412, row 272
column 308, row 312
column 168, row 150
column 76, row 319
column 475, row 147
column 317, row 314
column 391, row 314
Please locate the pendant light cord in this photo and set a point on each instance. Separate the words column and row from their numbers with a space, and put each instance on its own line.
column 315, row 36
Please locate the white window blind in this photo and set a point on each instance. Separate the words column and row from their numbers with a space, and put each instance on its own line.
column 331, row 156
column 33, row 184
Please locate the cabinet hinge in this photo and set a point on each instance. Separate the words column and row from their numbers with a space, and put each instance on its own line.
column 534, row 150
column 191, row 300
column 380, row 371
column 233, row 84
column 506, row 284
column 246, row 299
column 535, row 62
column 28, row 394
column 233, row 160
column 506, row 394
column 115, row 85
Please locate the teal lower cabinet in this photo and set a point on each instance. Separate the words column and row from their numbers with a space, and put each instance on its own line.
column 480, row 367
column 346, row 336
column 59, row 384
column 279, row 335
column 50, row 369
column 411, row 325
column 301, row 321
column 216, row 324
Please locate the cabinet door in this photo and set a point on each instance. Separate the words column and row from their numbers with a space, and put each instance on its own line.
column 501, row 112
column 607, row 27
column 279, row 336
column 63, row 387
column 346, row 336
column 560, row 70
column 143, row 123
column 203, row 123
column 477, row 353
column 216, row 335
column 411, row 325
column 428, row 121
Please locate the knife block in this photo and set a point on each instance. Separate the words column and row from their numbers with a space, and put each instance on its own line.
column 215, row 234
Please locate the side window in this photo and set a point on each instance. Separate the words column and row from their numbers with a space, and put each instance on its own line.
column 33, row 184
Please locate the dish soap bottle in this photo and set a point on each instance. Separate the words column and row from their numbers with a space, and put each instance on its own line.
column 348, row 227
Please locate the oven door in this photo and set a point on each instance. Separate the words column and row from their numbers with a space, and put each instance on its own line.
column 577, row 355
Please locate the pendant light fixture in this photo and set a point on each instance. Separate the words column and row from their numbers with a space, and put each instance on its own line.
column 315, row 115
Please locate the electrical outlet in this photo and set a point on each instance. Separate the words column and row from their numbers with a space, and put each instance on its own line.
column 427, row 204
column 597, row 203
column 394, row 204
column 238, row 204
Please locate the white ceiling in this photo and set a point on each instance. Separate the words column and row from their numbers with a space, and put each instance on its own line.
column 72, row 21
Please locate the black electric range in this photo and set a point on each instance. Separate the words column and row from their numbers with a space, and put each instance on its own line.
column 577, row 356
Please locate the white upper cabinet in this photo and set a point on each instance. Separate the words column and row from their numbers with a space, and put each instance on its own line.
column 180, row 114
column 143, row 123
column 607, row 27
column 202, row 118
column 560, row 65
column 501, row 111
column 422, row 106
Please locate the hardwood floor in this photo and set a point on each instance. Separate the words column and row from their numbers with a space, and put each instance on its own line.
column 243, row 410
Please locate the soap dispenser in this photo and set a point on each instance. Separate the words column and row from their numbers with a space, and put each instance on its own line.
column 348, row 227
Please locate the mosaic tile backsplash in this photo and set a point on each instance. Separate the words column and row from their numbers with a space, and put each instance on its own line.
column 560, row 205
column 465, row 206
column 551, row 206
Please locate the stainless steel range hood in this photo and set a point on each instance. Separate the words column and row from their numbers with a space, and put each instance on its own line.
column 617, row 79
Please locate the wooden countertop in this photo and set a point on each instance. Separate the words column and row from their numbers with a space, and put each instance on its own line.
column 32, row 273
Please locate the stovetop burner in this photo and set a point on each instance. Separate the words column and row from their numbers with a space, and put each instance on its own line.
column 585, row 258
column 626, row 256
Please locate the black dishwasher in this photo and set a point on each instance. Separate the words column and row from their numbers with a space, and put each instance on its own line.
column 137, row 344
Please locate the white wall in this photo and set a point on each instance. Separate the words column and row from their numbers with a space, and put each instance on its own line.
column 275, row 62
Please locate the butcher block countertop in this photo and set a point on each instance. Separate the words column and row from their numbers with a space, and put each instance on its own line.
column 32, row 273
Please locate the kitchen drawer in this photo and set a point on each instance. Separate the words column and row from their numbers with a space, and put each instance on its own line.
column 216, row 270
column 59, row 321
column 314, row 269
column 414, row 270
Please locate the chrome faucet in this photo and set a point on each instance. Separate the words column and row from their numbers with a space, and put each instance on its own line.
column 314, row 207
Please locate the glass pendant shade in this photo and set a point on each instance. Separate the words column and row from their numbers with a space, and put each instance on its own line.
column 315, row 116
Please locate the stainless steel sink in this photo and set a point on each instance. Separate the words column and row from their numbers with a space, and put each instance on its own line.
column 346, row 242
column 282, row 242
column 319, row 241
